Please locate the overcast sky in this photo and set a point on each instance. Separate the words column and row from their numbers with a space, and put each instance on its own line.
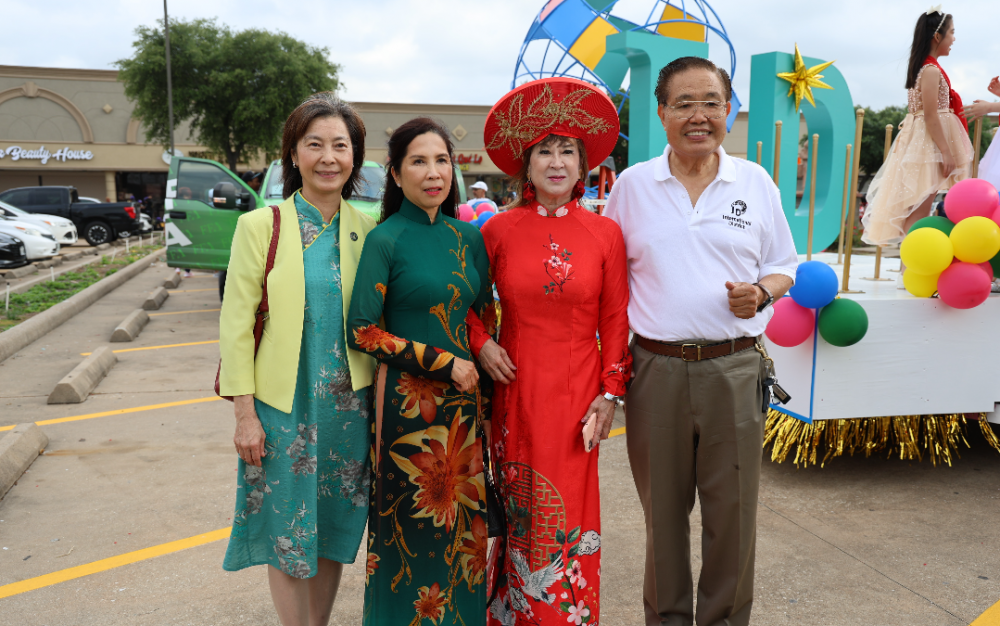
column 464, row 51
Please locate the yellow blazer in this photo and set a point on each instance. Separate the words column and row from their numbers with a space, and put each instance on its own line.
column 271, row 377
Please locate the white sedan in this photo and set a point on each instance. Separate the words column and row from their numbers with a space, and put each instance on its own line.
column 38, row 240
column 61, row 228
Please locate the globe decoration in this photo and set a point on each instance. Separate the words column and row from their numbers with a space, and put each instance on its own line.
column 567, row 38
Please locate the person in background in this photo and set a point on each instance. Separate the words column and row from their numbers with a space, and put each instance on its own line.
column 932, row 151
column 709, row 249
column 303, row 406
column 253, row 180
column 479, row 191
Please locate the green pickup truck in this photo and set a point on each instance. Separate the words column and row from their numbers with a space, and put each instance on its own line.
column 204, row 200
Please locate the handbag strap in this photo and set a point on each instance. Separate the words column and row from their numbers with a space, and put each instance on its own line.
column 271, row 252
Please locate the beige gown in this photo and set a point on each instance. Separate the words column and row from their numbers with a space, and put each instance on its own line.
column 912, row 173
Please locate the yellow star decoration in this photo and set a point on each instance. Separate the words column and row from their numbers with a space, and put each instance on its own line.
column 803, row 80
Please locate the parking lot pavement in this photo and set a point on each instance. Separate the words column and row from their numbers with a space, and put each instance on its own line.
column 844, row 545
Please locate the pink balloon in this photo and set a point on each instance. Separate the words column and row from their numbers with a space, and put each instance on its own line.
column 988, row 269
column 485, row 206
column 791, row 323
column 969, row 197
column 964, row 285
column 465, row 213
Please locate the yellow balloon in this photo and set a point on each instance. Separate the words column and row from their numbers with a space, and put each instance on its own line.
column 927, row 251
column 976, row 239
column 920, row 285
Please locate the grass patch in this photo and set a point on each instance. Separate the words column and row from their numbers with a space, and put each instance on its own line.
column 46, row 295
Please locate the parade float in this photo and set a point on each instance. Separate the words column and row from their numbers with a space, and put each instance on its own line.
column 874, row 370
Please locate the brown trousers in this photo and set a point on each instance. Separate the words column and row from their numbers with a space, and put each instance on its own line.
column 697, row 425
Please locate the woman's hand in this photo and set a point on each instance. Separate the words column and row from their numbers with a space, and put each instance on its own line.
column 464, row 375
column 977, row 109
column 605, row 410
column 994, row 87
column 947, row 163
column 497, row 364
column 249, row 437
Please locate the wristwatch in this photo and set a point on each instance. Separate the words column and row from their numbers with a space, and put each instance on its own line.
column 768, row 301
column 610, row 398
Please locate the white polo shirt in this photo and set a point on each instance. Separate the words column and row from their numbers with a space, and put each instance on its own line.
column 680, row 257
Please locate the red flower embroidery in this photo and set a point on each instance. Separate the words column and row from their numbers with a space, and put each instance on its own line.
column 430, row 604
column 423, row 396
column 372, row 338
column 473, row 551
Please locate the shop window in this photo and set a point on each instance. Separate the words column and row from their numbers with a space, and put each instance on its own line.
column 196, row 180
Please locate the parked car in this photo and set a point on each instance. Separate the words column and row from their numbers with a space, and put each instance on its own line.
column 62, row 229
column 12, row 252
column 368, row 200
column 97, row 223
column 204, row 200
column 39, row 243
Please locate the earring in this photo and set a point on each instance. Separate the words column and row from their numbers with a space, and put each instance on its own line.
column 294, row 165
column 578, row 190
column 529, row 192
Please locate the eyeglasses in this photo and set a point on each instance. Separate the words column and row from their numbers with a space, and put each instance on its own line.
column 686, row 109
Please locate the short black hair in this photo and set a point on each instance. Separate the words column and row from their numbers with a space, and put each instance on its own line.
column 682, row 65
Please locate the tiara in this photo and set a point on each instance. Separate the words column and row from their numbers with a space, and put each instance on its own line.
column 944, row 16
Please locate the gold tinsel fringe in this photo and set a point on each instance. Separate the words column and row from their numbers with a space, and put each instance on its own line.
column 910, row 436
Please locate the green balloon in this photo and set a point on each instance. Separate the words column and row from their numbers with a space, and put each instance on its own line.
column 935, row 221
column 995, row 262
column 843, row 322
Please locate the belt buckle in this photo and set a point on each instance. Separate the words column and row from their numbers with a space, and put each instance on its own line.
column 690, row 345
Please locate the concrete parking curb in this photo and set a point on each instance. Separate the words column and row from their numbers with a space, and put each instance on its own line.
column 18, row 450
column 13, row 340
column 130, row 328
column 21, row 272
column 173, row 282
column 155, row 299
column 77, row 385
column 102, row 246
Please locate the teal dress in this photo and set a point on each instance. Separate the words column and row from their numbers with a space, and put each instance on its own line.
column 309, row 499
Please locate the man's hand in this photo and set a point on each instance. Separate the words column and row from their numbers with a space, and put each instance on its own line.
column 744, row 299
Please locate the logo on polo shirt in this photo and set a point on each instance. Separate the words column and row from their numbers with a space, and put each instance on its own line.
column 736, row 211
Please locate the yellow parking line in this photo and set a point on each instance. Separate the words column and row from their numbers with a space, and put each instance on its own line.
column 991, row 617
column 104, row 565
column 172, row 345
column 190, row 290
column 137, row 409
column 616, row 432
column 183, row 312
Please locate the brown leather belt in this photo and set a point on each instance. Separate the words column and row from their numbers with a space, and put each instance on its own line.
column 695, row 352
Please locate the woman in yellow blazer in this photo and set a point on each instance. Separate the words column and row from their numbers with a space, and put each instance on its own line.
column 303, row 406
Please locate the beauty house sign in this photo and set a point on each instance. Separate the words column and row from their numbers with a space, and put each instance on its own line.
column 17, row 153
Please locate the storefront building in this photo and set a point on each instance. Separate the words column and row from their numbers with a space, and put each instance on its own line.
column 75, row 127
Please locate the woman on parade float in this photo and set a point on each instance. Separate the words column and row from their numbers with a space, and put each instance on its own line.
column 303, row 407
column 989, row 167
column 932, row 151
column 421, row 270
column 561, row 276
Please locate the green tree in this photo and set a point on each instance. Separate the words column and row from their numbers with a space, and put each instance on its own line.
column 236, row 89
column 620, row 153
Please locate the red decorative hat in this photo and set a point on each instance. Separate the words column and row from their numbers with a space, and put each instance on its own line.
column 550, row 106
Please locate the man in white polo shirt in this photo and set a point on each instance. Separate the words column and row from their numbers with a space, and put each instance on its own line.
column 708, row 250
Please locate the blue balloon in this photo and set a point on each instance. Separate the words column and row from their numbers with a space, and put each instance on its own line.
column 815, row 285
column 485, row 215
